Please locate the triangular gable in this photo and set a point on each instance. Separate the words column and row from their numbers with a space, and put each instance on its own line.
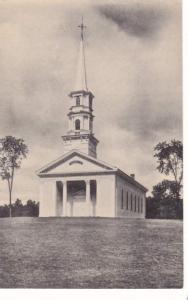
column 75, row 162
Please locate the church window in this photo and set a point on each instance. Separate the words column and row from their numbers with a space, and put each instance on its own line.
column 138, row 204
column 90, row 124
column 141, row 205
column 131, row 201
column 77, row 124
column 75, row 162
column 127, row 201
column 135, row 203
column 77, row 101
column 122, row 199
column 90, row 103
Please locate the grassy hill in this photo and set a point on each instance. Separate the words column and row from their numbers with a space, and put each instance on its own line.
column 90, row 253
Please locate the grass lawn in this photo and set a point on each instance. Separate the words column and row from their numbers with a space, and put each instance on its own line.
column 90, row 253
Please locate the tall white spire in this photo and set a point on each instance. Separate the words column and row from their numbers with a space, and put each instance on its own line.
column 80, row 134
column 81, row 76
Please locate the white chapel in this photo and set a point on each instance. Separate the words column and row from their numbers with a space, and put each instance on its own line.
column 78, row 184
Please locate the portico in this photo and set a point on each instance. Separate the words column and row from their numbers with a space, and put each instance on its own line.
column 75, row 197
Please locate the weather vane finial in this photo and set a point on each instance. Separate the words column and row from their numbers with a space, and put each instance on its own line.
column 82, row 27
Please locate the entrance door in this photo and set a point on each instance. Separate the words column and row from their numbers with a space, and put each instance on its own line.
column 77, row 198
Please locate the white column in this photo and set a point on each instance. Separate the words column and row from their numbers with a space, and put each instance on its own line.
column 88, row 197
column 54, row 197
column 64, row 213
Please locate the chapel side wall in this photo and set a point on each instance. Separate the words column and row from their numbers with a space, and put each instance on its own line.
column 105, row 202
column 47, row 201
column 122, row 186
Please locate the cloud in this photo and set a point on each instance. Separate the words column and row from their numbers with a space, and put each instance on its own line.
column 145, row 118
column 140, row 21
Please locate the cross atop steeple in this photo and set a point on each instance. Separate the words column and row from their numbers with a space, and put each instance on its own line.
column 81, row 76
column 82, row 27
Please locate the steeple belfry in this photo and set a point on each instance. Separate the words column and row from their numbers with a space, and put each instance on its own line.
column 80, row 134
column 81, row 76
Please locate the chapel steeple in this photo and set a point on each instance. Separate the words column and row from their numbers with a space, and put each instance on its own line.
column 81, row 76
column 80, row 133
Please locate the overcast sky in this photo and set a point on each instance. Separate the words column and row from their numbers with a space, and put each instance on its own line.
column 133, row 58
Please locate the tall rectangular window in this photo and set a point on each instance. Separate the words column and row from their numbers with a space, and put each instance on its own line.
column 127, row 201
column 131, row 201
column 90, row 103
column 77, row 101
column 138, row 204
column 135, row 203
column 141, row 205
column 122, row 199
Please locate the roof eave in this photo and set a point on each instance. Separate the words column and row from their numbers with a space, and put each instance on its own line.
column 131, row 180
column 84, row 92
column 71, row 174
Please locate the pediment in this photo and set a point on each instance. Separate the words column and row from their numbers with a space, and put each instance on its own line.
column 75, row 162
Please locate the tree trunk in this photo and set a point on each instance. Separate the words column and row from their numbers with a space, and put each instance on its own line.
column 178, row 191
column 10, row 190
column 10, row 204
